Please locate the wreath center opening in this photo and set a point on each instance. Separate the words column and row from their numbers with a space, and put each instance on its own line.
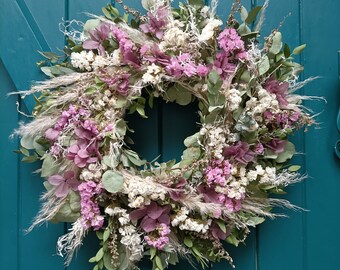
column 162, row 133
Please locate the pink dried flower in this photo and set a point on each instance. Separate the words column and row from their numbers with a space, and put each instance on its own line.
column 83, row 153
column 218, row 172
column 211, row 196
column 179, row 186
column 151, row 216
column 162, row 239
column 153, row 54
column 97, row 36
column 90, row 210
column 217, row 233
column 126, row 47
column 277, row 145
column 87, row 130
column 259, row 149
column 240, row 152
column 230, row 42
column 120, row 83
column 184, row 65
column 223, row 65
column 156, row 23
column 280, row 89
column 63, row 184
column 52, row 134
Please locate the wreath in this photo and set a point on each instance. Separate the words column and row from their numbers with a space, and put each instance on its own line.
column 116, row 65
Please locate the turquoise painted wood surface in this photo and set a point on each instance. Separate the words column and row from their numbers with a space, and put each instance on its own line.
column 305, row 241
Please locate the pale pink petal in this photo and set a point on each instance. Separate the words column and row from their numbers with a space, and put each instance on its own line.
column 148, row 224
column 80, row 162
column 154, row 210
column 56, row 180
column 52, row 134
column 62, row 190
column 138, row 214
column 90, row 44
column 83, row 153
column 73, row 149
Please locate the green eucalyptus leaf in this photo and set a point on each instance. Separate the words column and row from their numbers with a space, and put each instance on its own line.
column 92, row 260
column 264, row 65
column 74, row 201
column 192, row 140
column 270, row 154
column 214, row 77
column 294, row 168
column 287, row 154
column 99, row 254
column 188, row 242
column 90, row 90
column 299, row 49
column 65, row 214
column 179, row 94
column 196, row 3
column 24, row 151
column 192, row 153
column 286, row 50
column 99, row 235
column 107, row 259
column 221, row 225
column 253, row 14
column 141, row 111
column 173, row 259
column 276, row 43
column 253, row 221
column 243, row 13
column 106, row 13
column 110, row 162
column 91, row 25
column 121, row 102
column 27, row 141
column 30, row 159
column 123, row 258
column 49, row 166
column 231, row 239
column 153, row 252
column 121, row 127
column 158, row 262
column 113, row 181
column 148, row 4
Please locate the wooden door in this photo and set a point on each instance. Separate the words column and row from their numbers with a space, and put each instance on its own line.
column 306, row 240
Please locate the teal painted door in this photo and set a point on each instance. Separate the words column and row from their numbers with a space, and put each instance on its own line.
column 307, row 240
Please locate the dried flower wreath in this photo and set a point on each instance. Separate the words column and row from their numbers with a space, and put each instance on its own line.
column 247, row 107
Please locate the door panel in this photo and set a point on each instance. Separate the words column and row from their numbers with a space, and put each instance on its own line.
column 306, row 240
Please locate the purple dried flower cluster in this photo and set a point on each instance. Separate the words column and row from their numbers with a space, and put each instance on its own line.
column 161, row 239
column 90, row 211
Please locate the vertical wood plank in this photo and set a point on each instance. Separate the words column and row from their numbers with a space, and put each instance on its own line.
column 320, row 28
column 9, row 176
column 22, row 37
column 282, row 240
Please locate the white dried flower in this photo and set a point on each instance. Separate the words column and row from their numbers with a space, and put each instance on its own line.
column 174, row 37
column 82, row 60
column 100, row 62
column 152, row 74
column 137, row 203
column 233, row 98
column 209, row 30
column 115, row 58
